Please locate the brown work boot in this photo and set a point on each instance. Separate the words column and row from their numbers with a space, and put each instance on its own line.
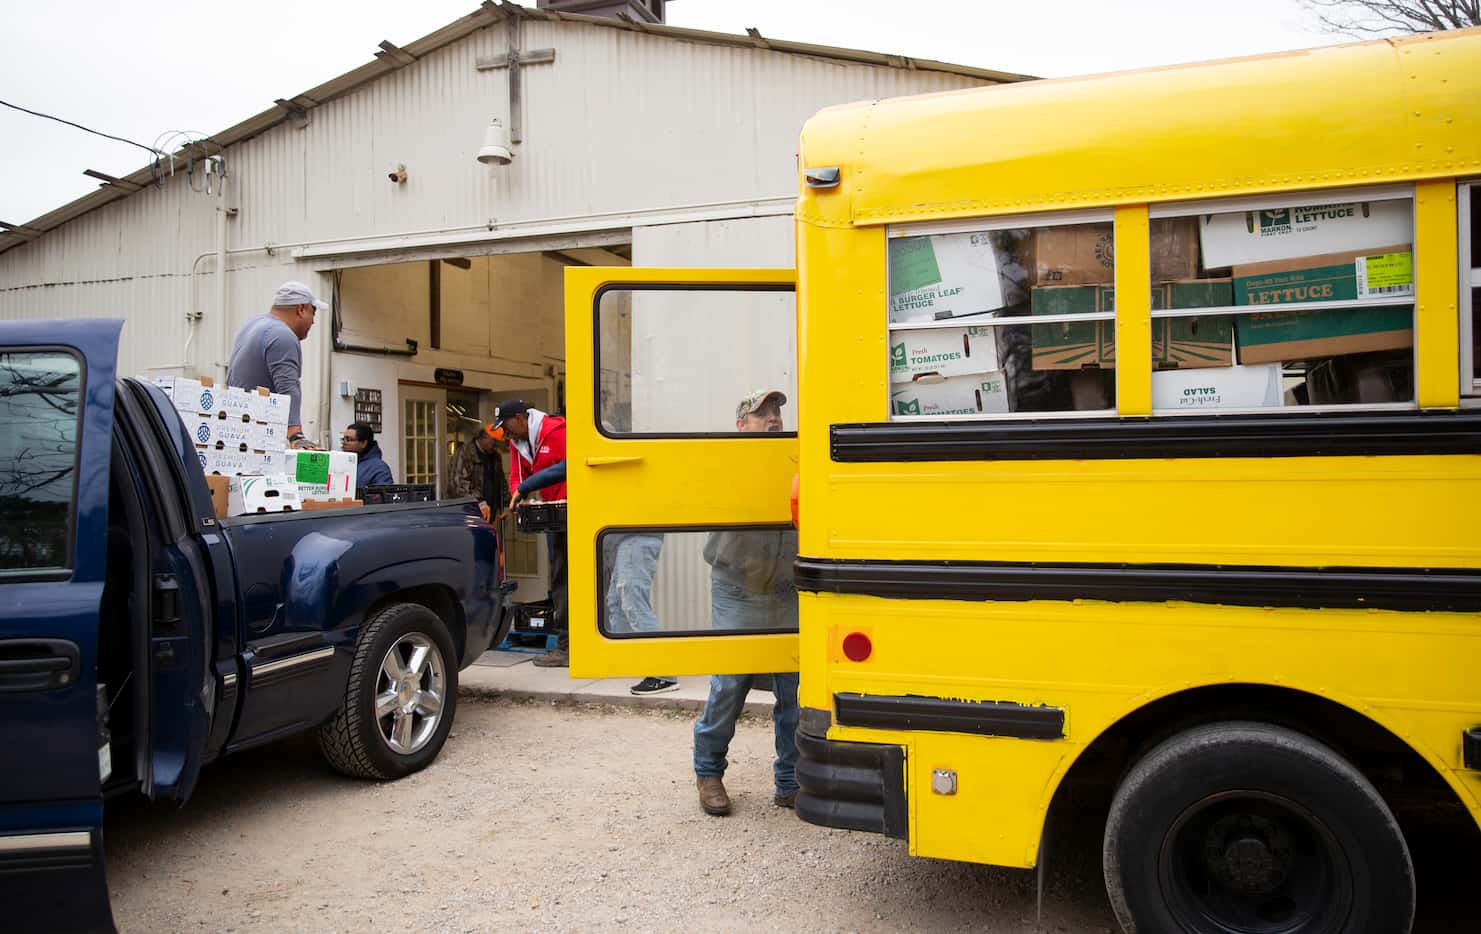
column 557, row 658
column 787, row 800
column 712, row 796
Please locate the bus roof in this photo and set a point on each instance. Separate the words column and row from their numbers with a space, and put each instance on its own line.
column 1383, row 111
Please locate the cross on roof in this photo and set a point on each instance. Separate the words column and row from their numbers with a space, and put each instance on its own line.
column 515, row 60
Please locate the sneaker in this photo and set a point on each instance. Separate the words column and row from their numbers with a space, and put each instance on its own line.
column 788, row 800
column 559, row 658
column 654, row 686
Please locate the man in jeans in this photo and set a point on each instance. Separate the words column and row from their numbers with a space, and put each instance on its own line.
column 634, row 561
column 750, row 588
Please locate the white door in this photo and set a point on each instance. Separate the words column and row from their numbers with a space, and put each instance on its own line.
column 422, row 459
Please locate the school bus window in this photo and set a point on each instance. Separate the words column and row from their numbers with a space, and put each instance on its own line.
column 675, row 362
column 1334, row 282
column 960, row 306
column 1470, row 286
column 697, row 581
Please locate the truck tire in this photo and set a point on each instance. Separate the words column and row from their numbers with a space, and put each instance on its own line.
column 1247, row 827
column 400, row 699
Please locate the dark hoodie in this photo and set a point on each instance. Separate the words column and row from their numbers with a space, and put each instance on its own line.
column 372, row 467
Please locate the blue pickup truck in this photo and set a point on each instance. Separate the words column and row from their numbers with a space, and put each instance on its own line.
column 142, row 637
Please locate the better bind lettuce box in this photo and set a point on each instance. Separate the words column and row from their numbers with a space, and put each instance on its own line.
column 1355, row 276
column 322, row 474
column 957, row 395
column 942, row 352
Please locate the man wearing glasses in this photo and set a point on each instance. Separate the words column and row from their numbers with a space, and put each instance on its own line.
column 370, row 467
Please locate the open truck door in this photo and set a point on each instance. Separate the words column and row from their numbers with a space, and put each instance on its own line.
column 56, row 423
column 674, row 507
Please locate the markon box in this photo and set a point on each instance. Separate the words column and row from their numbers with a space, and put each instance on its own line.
column 943, row 276
column 942, row 352
column 1291, row 334
column 957, row 395
column 1311, row 230
column 322, row 474
column 270, row 407
column 1085, row 254
column 248, row 496
column 1228, row 387
column 1183, row 342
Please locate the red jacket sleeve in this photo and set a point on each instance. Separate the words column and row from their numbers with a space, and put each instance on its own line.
column 516, row 469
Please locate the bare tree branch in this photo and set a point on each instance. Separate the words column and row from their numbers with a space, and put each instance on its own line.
column 1369, row 18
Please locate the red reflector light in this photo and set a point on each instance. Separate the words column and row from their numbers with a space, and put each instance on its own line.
column 794, row 501
column 857, row 647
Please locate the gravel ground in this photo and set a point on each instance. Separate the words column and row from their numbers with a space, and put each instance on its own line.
column 542, row 818
column 566, row 818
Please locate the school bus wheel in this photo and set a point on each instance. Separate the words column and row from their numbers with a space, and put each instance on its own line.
column 1246, row 827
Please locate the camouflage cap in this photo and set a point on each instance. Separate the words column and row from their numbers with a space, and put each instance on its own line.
column 758, row 400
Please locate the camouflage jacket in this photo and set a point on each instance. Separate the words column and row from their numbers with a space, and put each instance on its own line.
column 471, row 472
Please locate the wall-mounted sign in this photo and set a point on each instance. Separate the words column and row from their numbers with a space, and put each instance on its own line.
column 368, row 407
column 448, row 377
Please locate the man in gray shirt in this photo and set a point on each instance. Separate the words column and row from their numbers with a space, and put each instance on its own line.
column 266, row 351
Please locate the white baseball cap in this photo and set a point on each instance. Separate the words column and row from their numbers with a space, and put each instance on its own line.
column 296, row 293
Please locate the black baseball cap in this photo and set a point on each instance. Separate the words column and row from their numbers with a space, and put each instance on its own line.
column 508, row 409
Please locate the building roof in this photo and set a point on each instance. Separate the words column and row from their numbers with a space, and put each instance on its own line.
column 391, row 57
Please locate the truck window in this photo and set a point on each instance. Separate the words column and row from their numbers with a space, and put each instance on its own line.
column 961, row 299
column 1332, row 278
column 40, row 400
column 676, row 362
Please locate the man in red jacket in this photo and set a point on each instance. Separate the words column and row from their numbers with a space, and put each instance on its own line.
column 537, row 441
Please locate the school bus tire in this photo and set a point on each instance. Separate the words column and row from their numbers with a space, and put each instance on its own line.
column 1247, row 827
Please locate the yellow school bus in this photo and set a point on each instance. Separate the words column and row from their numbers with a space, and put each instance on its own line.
column 1135, row 421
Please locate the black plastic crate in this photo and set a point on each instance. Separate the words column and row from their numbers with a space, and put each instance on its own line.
column 541, row 517
column 378, row 494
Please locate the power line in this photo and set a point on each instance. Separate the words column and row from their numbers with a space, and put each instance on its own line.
column 149, row 149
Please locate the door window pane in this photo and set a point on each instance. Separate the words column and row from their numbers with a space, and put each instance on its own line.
column 960, row 302
column 680, row 362
column 40, row 397
column 1334, row 285
column 421, row 441
column 698, row 582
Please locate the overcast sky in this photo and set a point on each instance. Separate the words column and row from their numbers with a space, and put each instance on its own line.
column 138, row 70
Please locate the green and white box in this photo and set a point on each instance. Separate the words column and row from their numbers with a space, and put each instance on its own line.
column 322, row 474
column 1303, row 230
column 942, row 352
column 1210, row 388
column 943, row 276
column 247, row 496
column 959, row 395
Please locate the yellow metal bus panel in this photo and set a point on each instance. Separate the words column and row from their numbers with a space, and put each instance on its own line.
column 1133, row 312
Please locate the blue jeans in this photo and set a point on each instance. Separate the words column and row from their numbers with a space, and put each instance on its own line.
column 734, row 608
column 630, row 593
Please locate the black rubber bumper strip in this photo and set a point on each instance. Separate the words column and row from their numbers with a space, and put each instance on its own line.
column 940, row 715
column 1447, row 589
column 1320, row 434
column 852, row 786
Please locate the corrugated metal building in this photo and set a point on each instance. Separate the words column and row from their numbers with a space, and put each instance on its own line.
column 633, row 142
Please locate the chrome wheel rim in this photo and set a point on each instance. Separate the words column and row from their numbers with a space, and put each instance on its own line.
column 409, row 693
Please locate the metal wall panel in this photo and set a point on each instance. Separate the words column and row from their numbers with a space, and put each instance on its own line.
column 620, row 122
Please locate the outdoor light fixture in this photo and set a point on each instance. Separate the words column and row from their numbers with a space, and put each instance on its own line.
column 495, row 149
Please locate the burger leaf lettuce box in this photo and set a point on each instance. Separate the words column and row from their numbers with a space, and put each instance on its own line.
column 1356, row 276
column 956, row 395
column 1176, row 342
column 943, row 276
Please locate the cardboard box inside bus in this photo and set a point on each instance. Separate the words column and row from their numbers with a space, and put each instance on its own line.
column 1244, row 237
column 1226, row 387
column 957, row 395
column 943, row 352
column 943, row 276
column 1347, row 276
column 1085, row 254
column 1181, row 343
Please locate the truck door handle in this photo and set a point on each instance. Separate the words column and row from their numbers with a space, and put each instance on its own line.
column 608, row 461
column 38, row 664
